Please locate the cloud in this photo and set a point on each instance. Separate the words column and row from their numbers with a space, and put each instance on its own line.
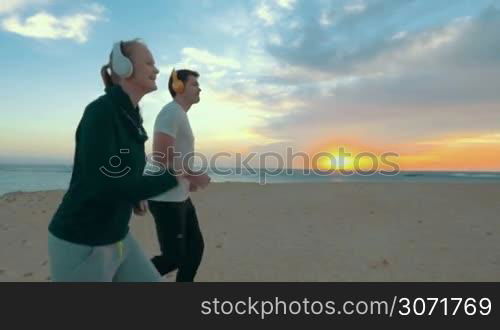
column 270, row 12
column 44, row 25
column 373, row 12
column 355, row 8
column 275, row 39
column 493, row 138
column 235, row 75
column 207, row 58
column 379, row 74
column 459, row 43
column 341, row 44
column 264, row 12
column 234, row 22
column 327, row 17
column 399, row 35
column 287, row 4
column 440, row 80
column 10, row 6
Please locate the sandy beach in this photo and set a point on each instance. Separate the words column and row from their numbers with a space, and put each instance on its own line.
column 303, row 232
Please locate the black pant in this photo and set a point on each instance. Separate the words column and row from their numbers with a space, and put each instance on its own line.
column 180, row 238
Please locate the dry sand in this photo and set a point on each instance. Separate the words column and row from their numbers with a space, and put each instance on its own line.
column 303, row 232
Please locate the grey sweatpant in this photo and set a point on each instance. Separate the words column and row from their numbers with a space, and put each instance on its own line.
column 119, row 262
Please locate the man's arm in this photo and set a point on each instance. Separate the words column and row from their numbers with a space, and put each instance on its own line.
column 164, row 149
column 164, row 153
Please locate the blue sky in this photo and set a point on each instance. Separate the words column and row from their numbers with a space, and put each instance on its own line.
column 404, row 75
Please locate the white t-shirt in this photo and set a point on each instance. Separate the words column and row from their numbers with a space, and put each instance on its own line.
column 173, row 120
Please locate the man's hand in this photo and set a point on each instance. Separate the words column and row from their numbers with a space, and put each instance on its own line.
column 192, row 187
column 196, row 182
column 141, row 208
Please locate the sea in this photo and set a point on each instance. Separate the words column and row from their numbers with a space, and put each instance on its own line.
column 29, row 177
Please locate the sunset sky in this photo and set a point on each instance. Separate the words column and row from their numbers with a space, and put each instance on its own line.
column 420, row 78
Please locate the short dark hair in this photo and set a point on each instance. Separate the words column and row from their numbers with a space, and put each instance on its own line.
column 183, row 76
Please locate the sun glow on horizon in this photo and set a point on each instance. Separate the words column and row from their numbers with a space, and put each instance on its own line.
column 465, row 152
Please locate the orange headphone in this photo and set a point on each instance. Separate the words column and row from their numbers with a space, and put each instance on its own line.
column 177, row 84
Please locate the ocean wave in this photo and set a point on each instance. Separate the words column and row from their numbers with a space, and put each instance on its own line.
column 37, row 169
column 476, row 175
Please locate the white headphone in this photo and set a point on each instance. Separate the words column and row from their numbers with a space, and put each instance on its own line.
column 120, row 64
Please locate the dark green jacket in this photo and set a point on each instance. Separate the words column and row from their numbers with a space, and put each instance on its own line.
column 107, row 178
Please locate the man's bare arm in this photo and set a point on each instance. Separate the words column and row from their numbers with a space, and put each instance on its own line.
column 164, row 151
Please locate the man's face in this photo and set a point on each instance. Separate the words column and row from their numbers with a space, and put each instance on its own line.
column 192, row 90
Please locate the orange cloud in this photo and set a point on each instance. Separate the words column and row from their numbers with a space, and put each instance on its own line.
column 466, row 152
